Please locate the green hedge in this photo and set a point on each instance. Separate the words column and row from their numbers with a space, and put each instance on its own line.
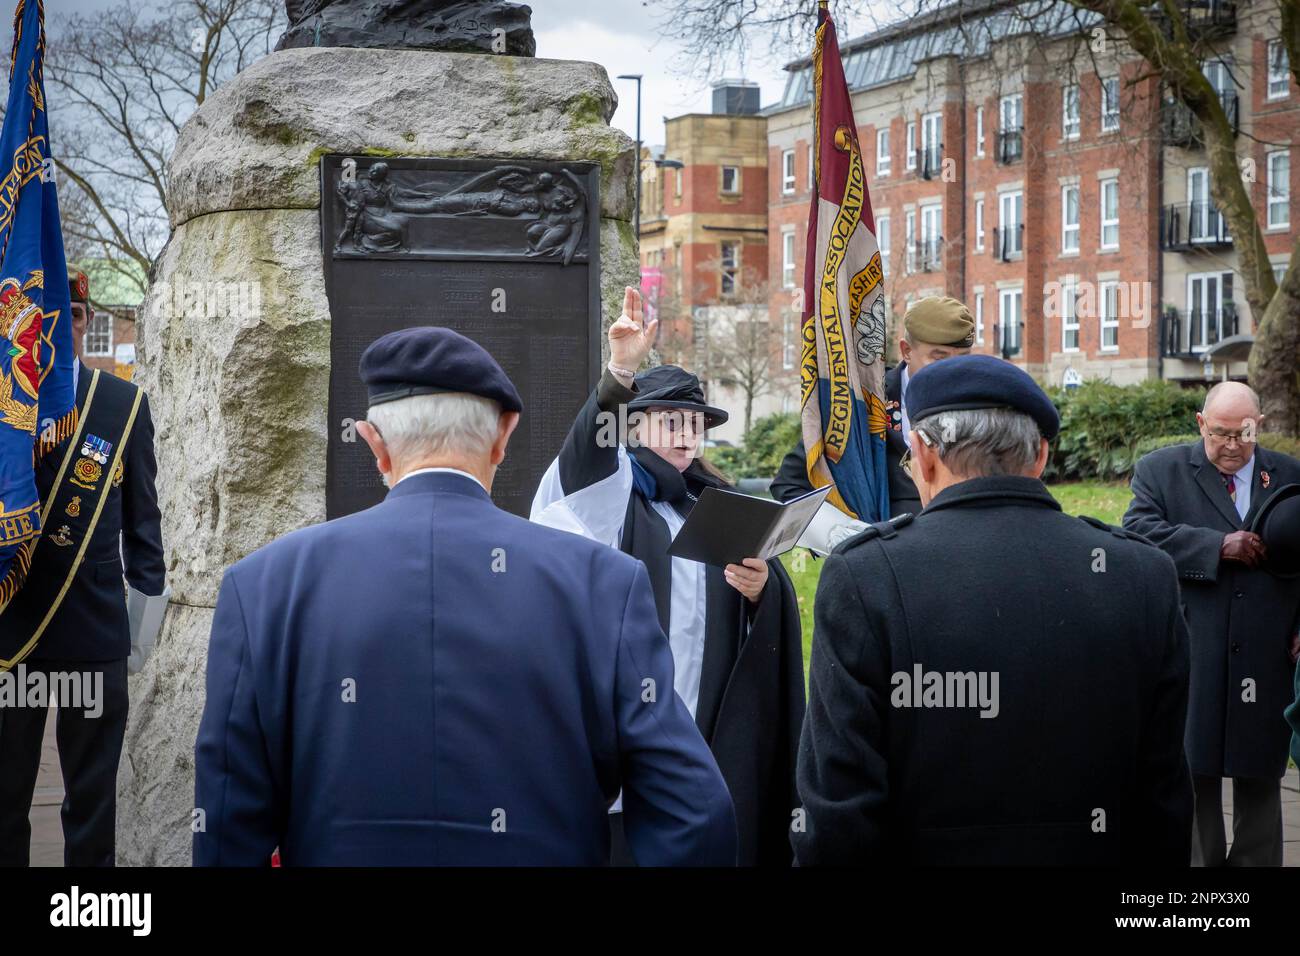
column 760, row 456
column 1103, row 425
column 1270, row 440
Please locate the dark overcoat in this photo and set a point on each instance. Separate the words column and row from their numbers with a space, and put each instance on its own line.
column 1082, row 762
column 1241, row 619
column 437, row 681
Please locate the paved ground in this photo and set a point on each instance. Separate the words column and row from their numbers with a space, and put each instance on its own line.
column 47, row 837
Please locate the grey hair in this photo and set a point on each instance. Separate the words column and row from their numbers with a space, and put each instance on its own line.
column 976, row 442
column 1227, row 388
column 437, row 424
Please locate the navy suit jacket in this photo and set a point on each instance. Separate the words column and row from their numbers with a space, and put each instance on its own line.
column 437, row 681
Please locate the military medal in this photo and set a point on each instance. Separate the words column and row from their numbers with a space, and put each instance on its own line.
column 86, row 473
column 895, row 414
column 96, row 449
column 62, row 539
column 74, row 507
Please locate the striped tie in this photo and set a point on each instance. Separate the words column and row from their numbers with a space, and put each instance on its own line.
column 1230, row 483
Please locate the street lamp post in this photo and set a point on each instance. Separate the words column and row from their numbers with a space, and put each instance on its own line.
column 637, row 211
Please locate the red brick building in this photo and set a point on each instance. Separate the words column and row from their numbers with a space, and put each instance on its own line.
column 1034, row 171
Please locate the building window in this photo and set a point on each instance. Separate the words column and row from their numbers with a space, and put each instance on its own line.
column 1069, row 218
column 787, row 173
column 1069, row 315
column 99, row 335
column 882, row 240
column 730, row 267
column 787, row 258
column 787, row 340
column 731, row 179
column 677, row 188
column 1010, row 303
column 1279, row 71
column 909, row 240
column 931, row 143
column 677, row 269
column 911, row 146
column 979, row 225
column 931, row 238
column 1110, row 213
column 1011, row 222
column 979, row 318
column 1279, row 189
column 883, row 160
column 1110, row 104
column 979, row 131
column 1011, row 123
column 1070, row 112
column 1109, row 295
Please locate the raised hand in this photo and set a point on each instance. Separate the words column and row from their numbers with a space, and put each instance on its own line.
column 631, row 337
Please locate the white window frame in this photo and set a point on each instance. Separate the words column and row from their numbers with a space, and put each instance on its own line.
column 979, row 132
column 787, row 172
column 787, row 257
column 1014, row 201
column 730, row 270
column 979, row 318
column 883, row 242
column 1070, row 123
column 677, row 186
column 1108, row 316
column 1278, row 86
column 735, row 190
column 911, row 144
column 1013, row 294
column 86, row 349
column 932, row 134
column 979, row 225
column 1104, row 185
column 1109, row 117
column 1070, row 231
column 787, row 340
column 932, row 231
column 884, row 161
column 1277, row 199
column 1069, row 313
column 909, row 240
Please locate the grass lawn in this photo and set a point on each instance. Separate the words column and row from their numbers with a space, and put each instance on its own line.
column 1104, row 500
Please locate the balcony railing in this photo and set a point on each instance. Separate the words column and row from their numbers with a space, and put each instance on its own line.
column 925, row 256
column 929, row 161
column 1193, row 225
column 1011, row 145
column 1187, row 334
column 1008, row 242
column 1182, row 128
column 1008, row 339
column 1205, row 19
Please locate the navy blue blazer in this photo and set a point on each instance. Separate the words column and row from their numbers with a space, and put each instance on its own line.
column 437, row 681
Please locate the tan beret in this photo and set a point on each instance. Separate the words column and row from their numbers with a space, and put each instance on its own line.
column 940, row 320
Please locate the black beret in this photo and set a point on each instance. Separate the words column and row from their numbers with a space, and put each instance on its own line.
column 979, row 381
column 429, row 360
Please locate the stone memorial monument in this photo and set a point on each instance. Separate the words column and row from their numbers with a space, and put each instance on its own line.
column 369, row 175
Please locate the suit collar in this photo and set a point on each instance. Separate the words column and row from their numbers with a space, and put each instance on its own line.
column 997, row 489
column 1211, row 482
column 438, row 482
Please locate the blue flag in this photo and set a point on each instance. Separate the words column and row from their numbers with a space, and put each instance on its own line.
column 38, row 408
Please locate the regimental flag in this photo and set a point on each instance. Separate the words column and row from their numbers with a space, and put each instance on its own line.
column 38, row 407
column 842, row 368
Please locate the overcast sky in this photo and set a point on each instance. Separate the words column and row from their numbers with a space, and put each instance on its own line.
column 621, row 35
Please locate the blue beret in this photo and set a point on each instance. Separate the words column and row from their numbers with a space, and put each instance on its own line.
column 979, row 381
column 428, row 360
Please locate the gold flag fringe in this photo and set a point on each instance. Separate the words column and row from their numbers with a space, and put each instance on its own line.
column 18, row 568
column 55, row 435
